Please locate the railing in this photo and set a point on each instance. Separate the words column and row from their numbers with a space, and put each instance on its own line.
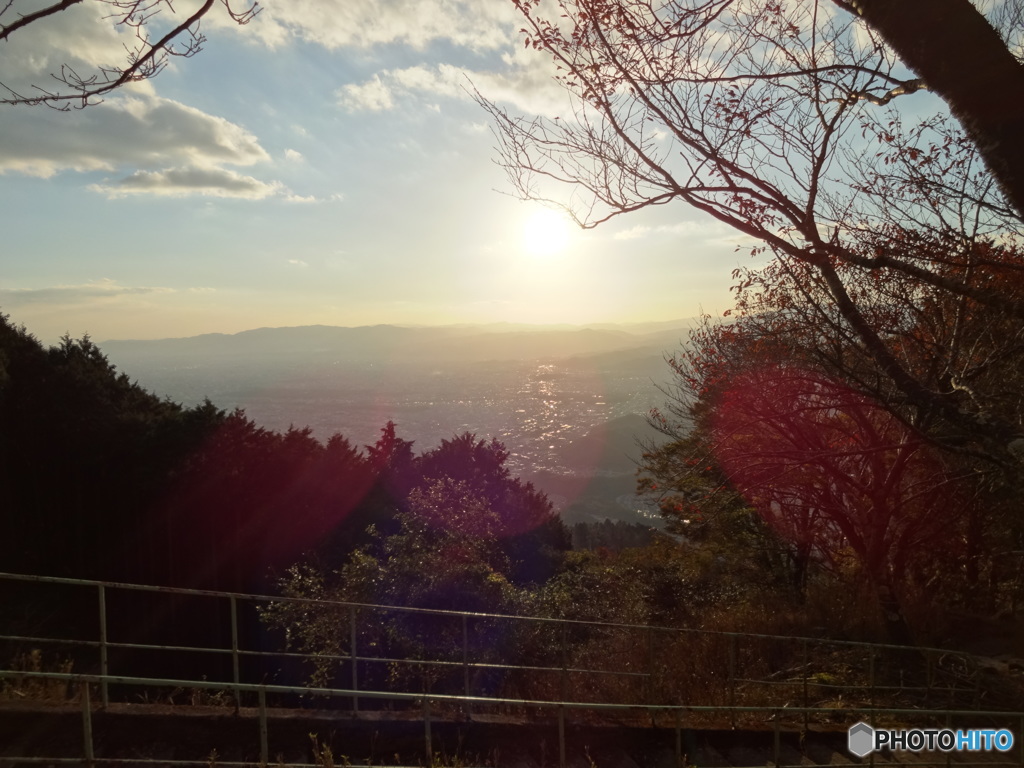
column 676, row 678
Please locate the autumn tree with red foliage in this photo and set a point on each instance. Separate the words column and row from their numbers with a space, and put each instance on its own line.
column 839, row 476
column 781, row 408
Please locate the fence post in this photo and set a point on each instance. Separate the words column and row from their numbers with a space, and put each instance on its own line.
column 426, row 727
column 87, row 725
column 104, row 661
column 928, row 680
column 807, row 701
column 562, row 696
column 871, row 677
column 235, row 672
column 561, row 736
column 679, row 738
column 732, row 680
column 264, row 749
column 564, row 678
column 355, row 657
column 977, row 687
column 776, row 747
column 650, row 665
column 465, row 662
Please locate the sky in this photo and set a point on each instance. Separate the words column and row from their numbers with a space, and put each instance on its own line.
column 323, row 164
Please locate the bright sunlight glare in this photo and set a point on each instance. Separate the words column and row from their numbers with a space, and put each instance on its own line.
column 546, row 232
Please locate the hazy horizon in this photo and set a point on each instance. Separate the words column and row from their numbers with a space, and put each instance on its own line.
column 638, row 326
column 51, row 330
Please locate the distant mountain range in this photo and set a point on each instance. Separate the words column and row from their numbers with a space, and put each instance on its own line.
column 382, row 343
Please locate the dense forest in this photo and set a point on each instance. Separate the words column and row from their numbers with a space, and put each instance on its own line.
column 104, row 480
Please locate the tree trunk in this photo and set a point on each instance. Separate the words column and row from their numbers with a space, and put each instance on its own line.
column 962, row 59
column 896, row 626
column 801, row 562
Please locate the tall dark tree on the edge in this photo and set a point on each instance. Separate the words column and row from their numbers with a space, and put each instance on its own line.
column 968, row 61
column 105, row 480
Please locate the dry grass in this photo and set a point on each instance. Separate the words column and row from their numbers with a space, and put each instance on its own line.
column 37, row 689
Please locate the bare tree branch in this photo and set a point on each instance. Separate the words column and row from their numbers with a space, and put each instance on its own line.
column 146, row 60
column 29, row 18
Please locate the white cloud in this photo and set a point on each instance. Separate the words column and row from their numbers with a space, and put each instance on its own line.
column 298, row 262
column 143, row 132
column 104, row 289
column 378, row 93
column 443, row 80
column 134, row 133
column 633, row 233
column 372, row 96
column 293, row 156
column 479, row 25
column 525, row 82
column 703, row 230
column 180, row 182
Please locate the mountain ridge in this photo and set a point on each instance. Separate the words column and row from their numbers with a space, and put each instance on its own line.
column 386, row 342
column 635, row 329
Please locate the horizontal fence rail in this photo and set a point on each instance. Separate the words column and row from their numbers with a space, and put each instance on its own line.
column 674, row 715
column 674, row 678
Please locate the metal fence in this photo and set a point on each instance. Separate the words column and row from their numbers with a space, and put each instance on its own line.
column 675, row 678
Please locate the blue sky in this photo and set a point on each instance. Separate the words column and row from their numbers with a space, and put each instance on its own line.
column 323, row 164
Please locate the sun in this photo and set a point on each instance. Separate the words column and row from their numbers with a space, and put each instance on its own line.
column 546, row 232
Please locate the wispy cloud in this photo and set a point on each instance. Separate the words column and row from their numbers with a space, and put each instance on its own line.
column 96, row 290
column 523, row 81
column 693, row 229
column 372, row 96
column 479, row 25
column 180, row 182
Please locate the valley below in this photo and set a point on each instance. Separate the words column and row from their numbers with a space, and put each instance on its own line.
column 569, row 405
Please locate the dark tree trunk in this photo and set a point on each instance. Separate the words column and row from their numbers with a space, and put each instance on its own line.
column 896, row 626
column 962, row 59
column 801, row 563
